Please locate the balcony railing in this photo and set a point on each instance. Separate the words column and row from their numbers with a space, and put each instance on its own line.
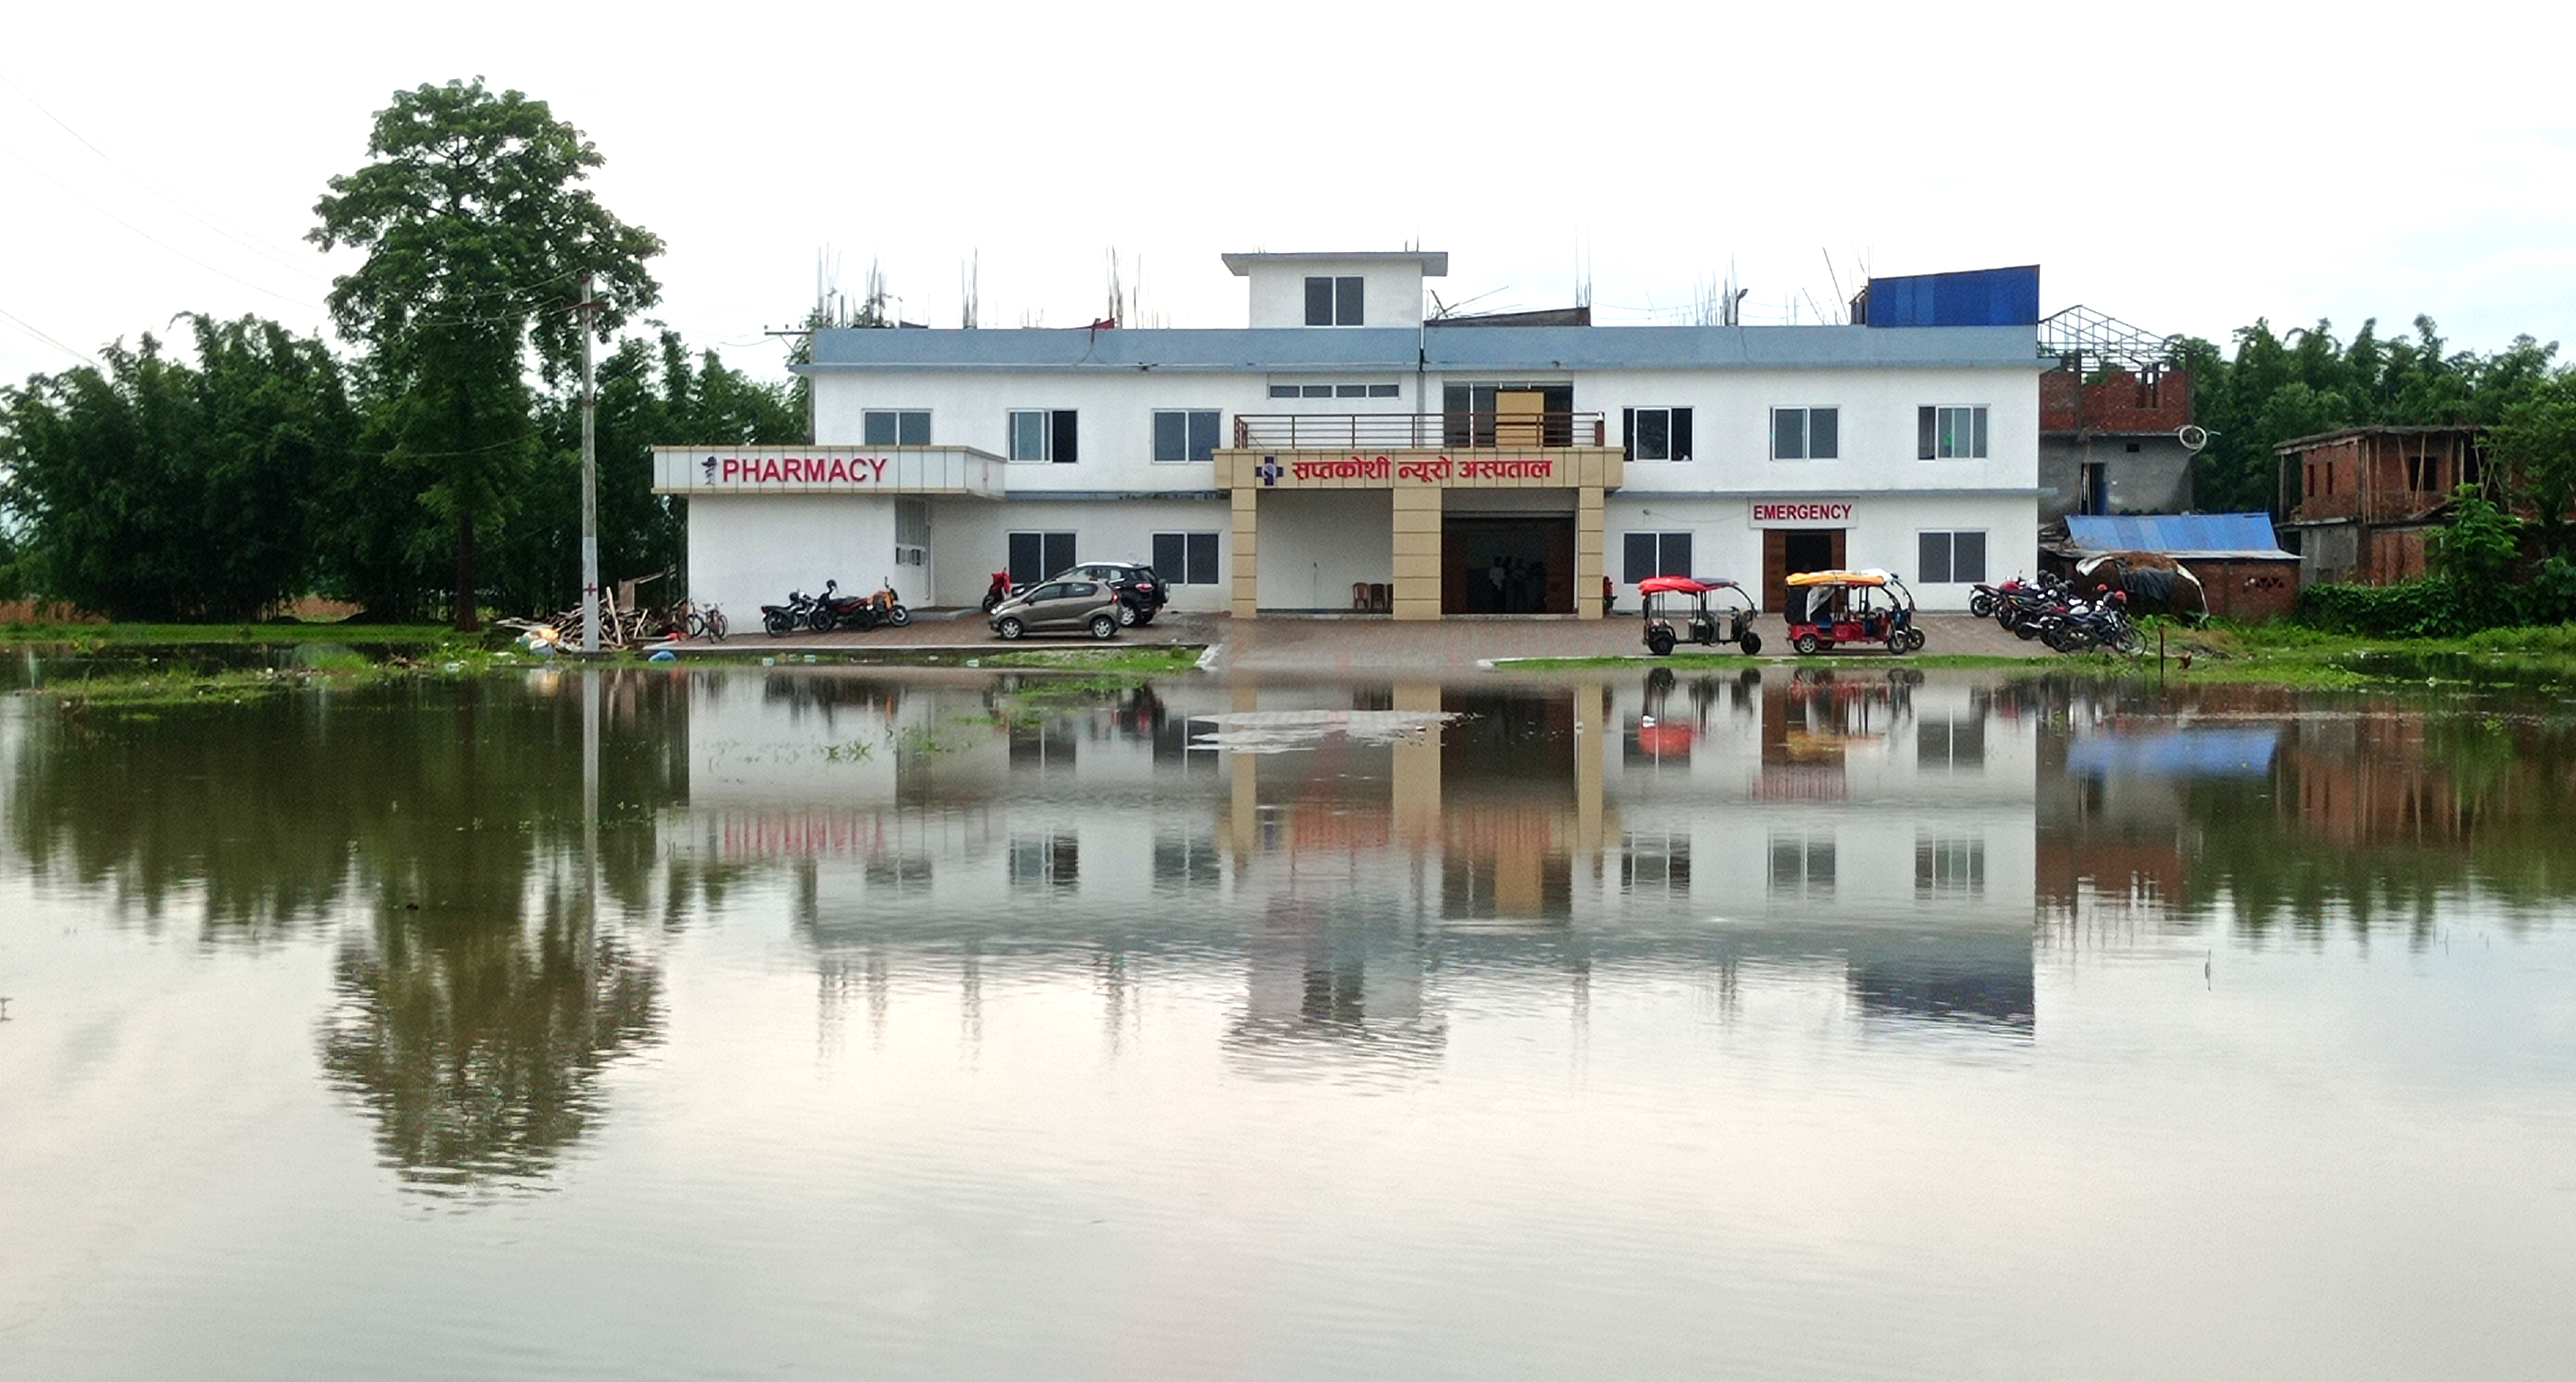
column 1414, row 431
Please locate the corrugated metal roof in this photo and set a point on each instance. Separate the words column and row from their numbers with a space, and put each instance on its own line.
column 1533, row 349
column 2175, row 533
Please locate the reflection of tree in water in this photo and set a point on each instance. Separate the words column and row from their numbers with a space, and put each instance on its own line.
column 477, row 1000
column 477, row 1043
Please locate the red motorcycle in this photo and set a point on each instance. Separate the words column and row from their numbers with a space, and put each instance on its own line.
column 998, row 591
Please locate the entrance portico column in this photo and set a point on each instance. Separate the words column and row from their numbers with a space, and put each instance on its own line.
column 1247, row 565
column 1590, row 547
column 1417, row 553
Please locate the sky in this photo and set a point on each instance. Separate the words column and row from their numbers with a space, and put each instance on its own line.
column 2186, row 167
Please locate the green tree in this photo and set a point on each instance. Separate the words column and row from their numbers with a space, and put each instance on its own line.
column 2533, row 442
column 147, row 488
column 477, row 238
column 2478, row 547
column 651, row 392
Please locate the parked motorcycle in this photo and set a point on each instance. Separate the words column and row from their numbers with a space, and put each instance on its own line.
column 866, row 611
column 2020, row 605
column 2083, row 624
column 802, row 611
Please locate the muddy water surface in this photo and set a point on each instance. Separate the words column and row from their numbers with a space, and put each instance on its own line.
column 815, row 1022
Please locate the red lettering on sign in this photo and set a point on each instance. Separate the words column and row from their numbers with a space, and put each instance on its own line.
column 1801, row 513
column 876, row 466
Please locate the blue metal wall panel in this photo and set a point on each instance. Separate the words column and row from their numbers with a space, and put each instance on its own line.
column 1976, row 297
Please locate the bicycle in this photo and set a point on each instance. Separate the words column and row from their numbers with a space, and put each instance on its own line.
column 701, row 621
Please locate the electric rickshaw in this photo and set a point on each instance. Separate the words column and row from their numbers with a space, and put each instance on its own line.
column 1719, row 611
column 1854, row 607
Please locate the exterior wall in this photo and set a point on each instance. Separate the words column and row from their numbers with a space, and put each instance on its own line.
column 2155, row 478
column 1394, row 294
column 2329, row 553
column 1114, row 418
column 1731, row 428
column 2247, row 591
column 2118, row 401
column 1315, row 543
column 969, row 540
column 2364, row 497
column 1306, row 554
column 748, row 551
column 1882, row 532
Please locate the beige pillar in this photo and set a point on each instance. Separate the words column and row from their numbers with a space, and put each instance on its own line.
column 1417, row 772
column 1589, row 549
column 1591, row 741
column 1247, row 565
column 1417, row 553
column 1243, row 797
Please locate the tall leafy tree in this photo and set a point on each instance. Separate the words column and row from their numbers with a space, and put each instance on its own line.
column 477, row 234
column 651, row 392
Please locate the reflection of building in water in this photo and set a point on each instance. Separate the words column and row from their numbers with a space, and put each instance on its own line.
column 2157, row 802
column 1360, row 852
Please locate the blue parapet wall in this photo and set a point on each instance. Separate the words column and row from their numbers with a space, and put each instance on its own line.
column 1975, row 297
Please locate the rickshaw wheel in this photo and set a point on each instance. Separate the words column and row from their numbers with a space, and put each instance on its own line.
column 1751, row 642
column 1805, row 643
column 1660, row 643
column 1914, row 640
column 1897, row 642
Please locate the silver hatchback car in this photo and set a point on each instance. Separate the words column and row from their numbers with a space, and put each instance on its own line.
column 1063, row 605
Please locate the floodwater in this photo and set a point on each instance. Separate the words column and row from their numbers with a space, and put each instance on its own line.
column 816, row 1022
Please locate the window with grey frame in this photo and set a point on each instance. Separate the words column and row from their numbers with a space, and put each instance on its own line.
column 1951, row 744
column 1950, row 433
column 1806, row 434
column 1039, row 434
column 1656, row 434
column 1802, row 866
column 1332, row 301
column 1051, row 859
column 1035, row 556
column 1951, row 558
column 1949, row 867
column 1656, row 554
column 1186, row 558
column 895, row 427
column 1185, row 435
column 1655, row 862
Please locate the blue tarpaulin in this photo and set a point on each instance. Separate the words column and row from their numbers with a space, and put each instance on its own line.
column 2179, row 534
column 1976, row 297
column 2176, row 753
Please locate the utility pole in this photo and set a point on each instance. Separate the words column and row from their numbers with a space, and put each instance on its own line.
column 589, row 481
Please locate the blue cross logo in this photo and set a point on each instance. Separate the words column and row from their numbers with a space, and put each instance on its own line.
column 711, row 469
column 1269, row 470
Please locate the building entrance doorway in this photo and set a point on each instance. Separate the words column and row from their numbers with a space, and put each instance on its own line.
column 1789, row 551
column 1515, row 564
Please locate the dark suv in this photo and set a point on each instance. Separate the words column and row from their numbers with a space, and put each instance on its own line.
column 1140, row 592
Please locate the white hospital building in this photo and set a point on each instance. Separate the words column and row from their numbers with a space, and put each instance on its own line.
column 1342, row 452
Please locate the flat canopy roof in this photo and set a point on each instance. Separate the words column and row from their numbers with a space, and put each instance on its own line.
column 1435, row 263
column 1518, row 349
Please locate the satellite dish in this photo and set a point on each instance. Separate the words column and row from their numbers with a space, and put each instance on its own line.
column 2192, row 438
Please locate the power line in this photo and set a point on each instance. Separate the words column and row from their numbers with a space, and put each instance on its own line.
column 22, row 324
column 138, row 230
column 206, row 219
